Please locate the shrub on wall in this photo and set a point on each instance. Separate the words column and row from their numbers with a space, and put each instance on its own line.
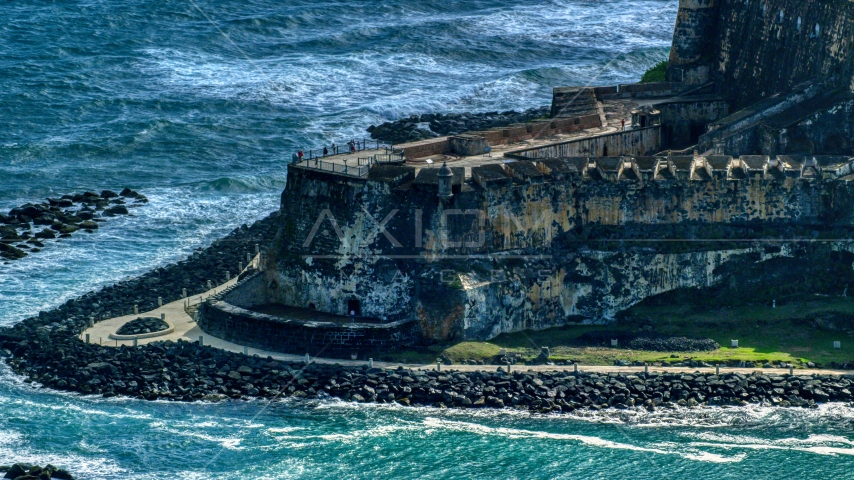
column 658, row 73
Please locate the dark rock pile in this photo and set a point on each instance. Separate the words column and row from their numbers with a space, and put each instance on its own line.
column 27, row 228
column 143, row 325
column 431, row 125
column 649, row 341
column 674, row 344
column 24, row 471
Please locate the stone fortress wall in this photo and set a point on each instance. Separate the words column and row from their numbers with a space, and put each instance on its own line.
column 783, row 66
column 572, row 232
column 499, row 256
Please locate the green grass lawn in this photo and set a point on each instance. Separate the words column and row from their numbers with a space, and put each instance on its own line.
column 765, row 334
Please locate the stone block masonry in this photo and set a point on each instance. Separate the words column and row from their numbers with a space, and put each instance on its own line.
column 534, row 244
column 639, row 142
column 326, row 339
column 754, row 49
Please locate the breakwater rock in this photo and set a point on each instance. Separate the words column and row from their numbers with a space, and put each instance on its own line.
column 185, row 371
column 28, row 228
column 430, row 125
column 25, row 471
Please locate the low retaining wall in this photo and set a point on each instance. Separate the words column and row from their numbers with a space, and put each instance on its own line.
column 425, row 148
column 636, row 142
column 327, row 339
column 500, row 136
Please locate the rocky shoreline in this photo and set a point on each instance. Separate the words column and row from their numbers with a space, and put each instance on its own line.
column 431, row 125
column 46, row 351
column 25, row 471
column 59, row 218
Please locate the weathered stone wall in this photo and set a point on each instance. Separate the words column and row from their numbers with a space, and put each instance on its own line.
column 641, row 141
column 251, row 292
column 684, row 121
column 689, row 56
column 757, row 48
column 828, row 130
column 267, row 332
column 512, row 253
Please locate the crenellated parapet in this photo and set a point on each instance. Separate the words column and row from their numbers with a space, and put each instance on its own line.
column 695, row 168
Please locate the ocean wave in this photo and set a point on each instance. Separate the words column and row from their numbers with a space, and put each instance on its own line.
column 248, row 184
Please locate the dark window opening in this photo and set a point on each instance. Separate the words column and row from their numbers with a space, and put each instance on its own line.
column 835, row 145
column 312, row 306
column 667, row 135
column 605, row 151
column 354, row 307
column 696, row 132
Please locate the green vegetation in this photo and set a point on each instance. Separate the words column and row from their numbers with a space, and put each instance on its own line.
column 658, row 73
column 790, row 333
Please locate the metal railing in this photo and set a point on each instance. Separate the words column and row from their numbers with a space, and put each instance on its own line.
column 359, row 170
column 389, row 157
column 344, row 148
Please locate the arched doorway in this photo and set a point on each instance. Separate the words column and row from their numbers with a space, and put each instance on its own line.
column 354, row 307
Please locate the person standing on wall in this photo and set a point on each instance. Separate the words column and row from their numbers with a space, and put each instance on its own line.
column 624, row 125
column 294, row 158
column 325, row 151
column 300, row 154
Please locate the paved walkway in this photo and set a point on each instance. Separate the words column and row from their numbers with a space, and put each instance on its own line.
column 187, row 330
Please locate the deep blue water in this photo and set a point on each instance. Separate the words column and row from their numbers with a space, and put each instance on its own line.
column 198, row 104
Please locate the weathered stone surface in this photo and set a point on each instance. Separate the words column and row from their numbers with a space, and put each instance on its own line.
column 583, row 240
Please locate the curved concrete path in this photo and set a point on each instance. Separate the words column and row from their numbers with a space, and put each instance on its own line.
column 186, row 329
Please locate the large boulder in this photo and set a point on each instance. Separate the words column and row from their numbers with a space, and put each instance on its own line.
column 11, row 253
column 129, row 193
column 109, row 194
column 117, row 210
column 45, row 218
column 46, row 233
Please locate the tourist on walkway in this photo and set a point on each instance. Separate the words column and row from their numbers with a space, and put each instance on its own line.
column 300, row 154
column 352, row 146
column 294, row 158
column 334, row 149
column 624, row 124
column 325, row 151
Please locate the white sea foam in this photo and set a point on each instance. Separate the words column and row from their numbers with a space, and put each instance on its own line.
column 584, row 439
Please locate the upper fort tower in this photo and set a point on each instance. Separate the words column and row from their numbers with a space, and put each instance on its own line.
column 753, row 49
column 695, row 26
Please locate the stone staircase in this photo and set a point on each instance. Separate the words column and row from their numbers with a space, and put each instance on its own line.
column 571, row 102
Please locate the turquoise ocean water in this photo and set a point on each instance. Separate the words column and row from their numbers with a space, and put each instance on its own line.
column 198, row 104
